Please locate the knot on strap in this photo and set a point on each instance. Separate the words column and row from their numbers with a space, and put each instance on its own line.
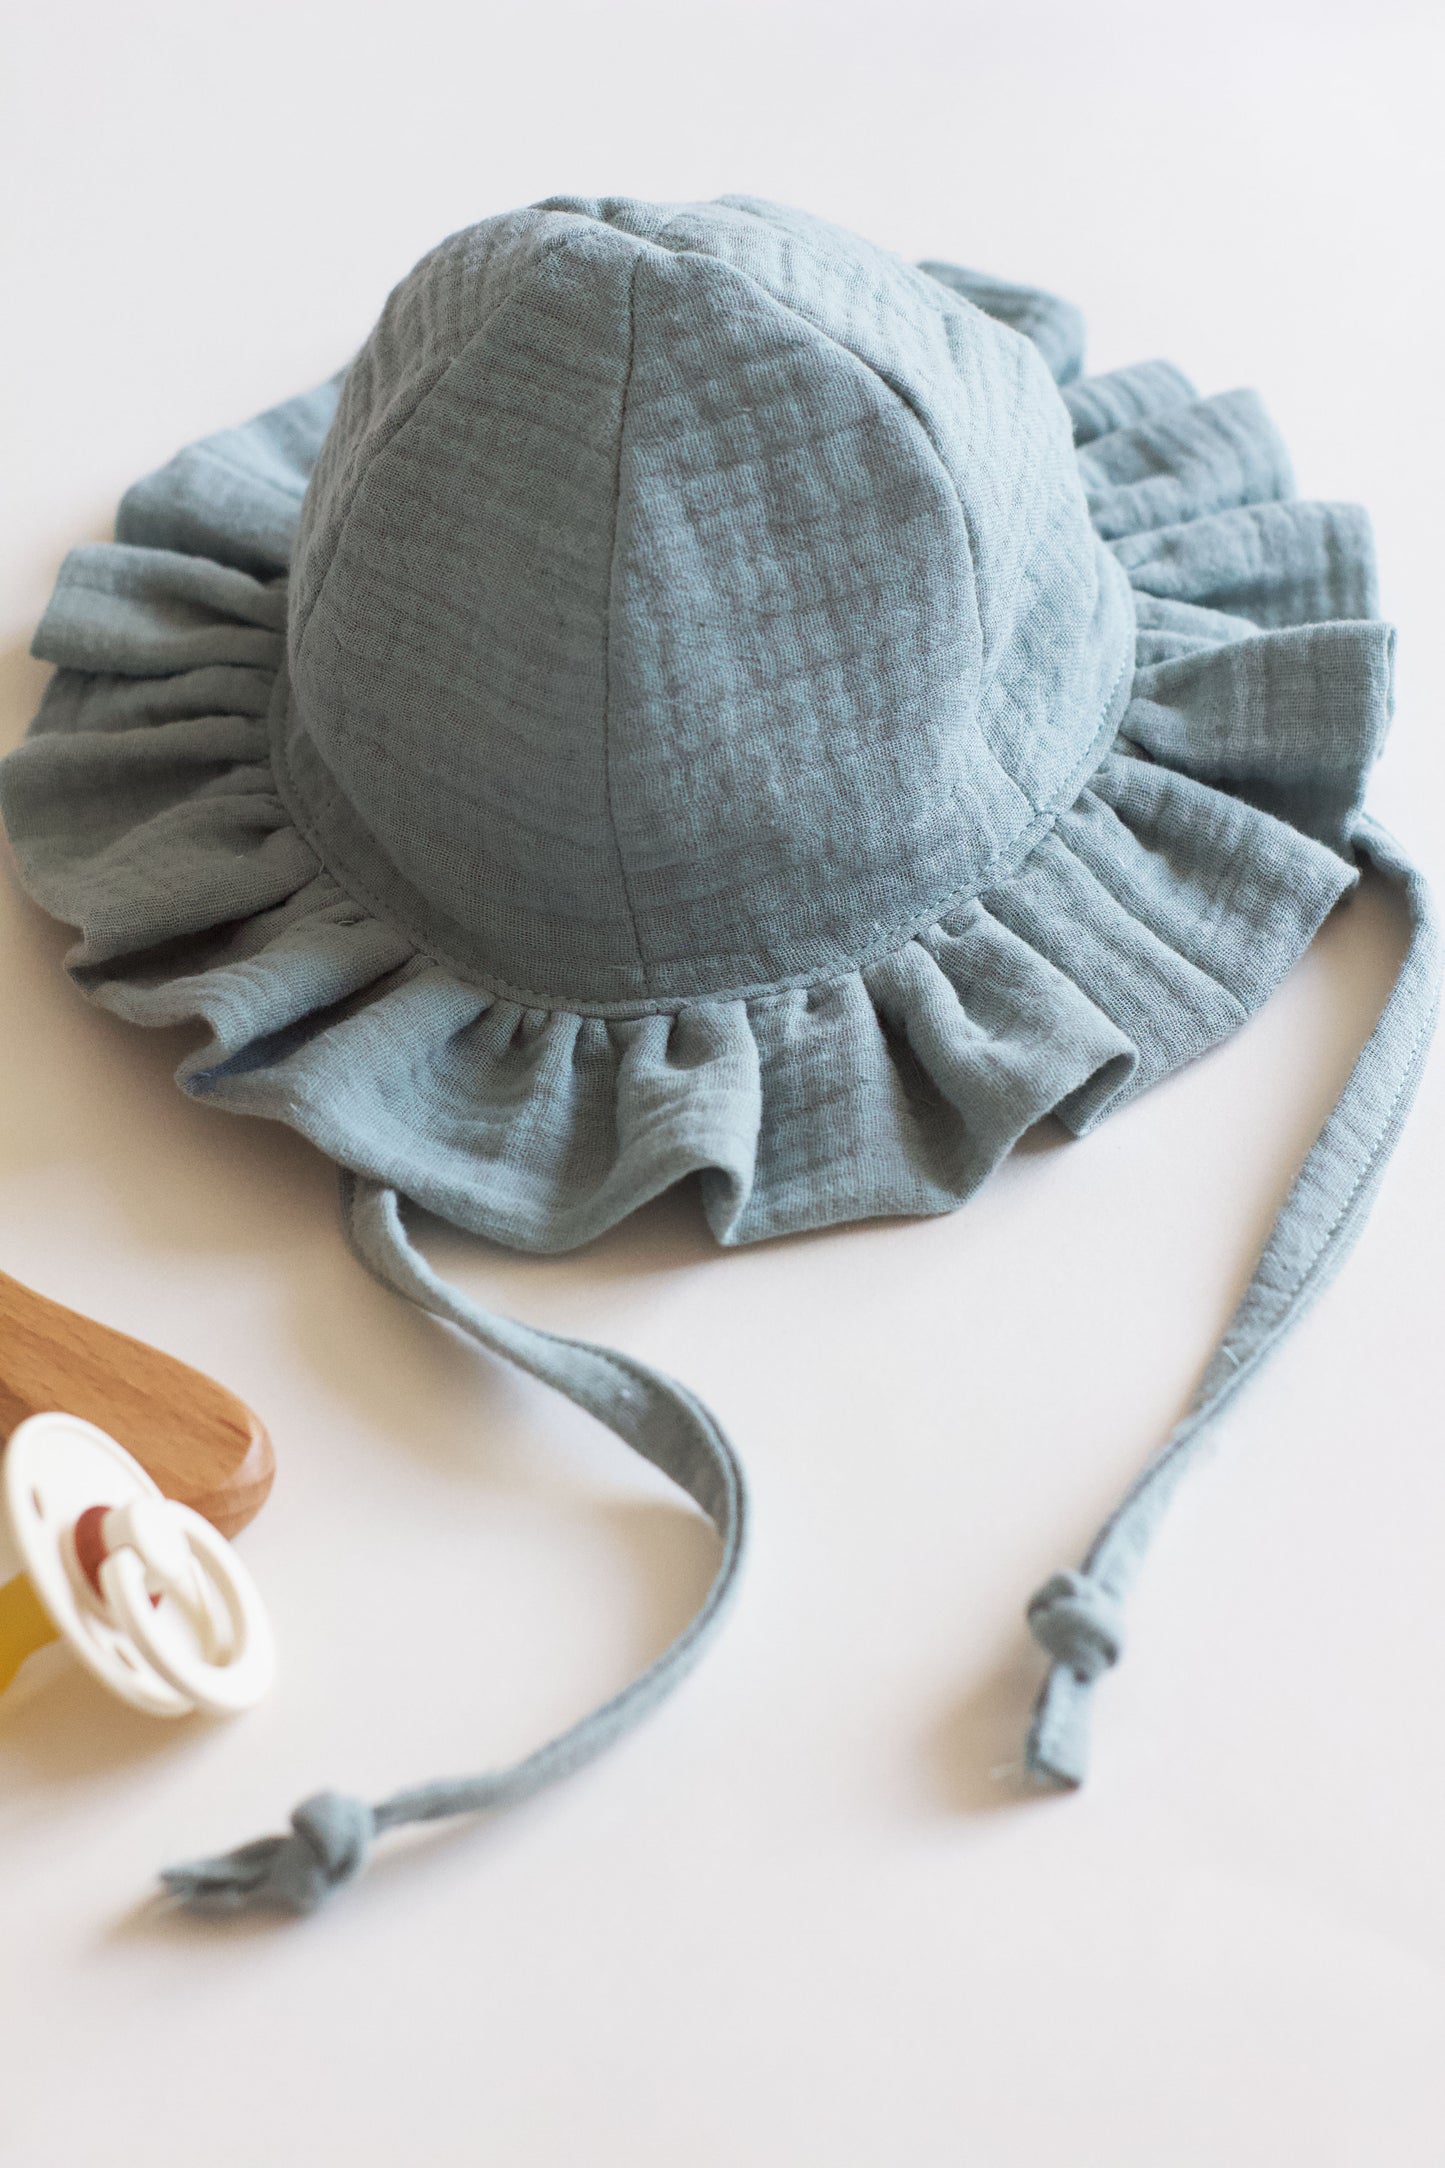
column 330, row 1837
column 1079, row 1623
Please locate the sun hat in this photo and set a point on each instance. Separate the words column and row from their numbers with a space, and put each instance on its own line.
column 701, row 698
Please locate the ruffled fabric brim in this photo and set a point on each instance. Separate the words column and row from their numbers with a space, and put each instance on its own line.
column 1158, row 912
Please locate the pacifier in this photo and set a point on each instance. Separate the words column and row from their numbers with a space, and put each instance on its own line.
column 151, row 1598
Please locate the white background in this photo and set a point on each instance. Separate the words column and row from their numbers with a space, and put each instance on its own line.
column 796, row 1919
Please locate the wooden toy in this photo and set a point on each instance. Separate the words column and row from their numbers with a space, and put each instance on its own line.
column 200, row 1443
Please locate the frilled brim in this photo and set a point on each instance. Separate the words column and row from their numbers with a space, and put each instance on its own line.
column 1157, row 913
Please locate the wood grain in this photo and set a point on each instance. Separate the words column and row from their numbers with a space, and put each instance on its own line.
column 200, row 1443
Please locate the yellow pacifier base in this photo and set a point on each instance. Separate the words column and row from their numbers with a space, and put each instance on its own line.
column 25, row 1626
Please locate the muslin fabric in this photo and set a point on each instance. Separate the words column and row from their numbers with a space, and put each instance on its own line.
column 701, row 699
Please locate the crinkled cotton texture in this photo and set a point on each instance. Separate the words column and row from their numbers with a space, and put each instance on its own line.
column 699, row 696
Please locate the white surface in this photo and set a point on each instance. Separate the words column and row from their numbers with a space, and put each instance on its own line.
column 795, row 1920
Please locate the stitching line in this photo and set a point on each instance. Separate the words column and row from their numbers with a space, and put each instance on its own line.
column 386, row 436
column 1004, row 863
column 611, row 605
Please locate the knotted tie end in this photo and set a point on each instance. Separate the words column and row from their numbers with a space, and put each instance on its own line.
column 1081, row 1626
column 1079, row 1623
column 327, row 1847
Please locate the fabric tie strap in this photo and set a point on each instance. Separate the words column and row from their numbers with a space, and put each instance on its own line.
column 331, row 1833
column 1077, row 1617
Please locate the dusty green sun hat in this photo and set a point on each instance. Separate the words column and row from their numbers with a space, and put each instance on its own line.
column 699, row 697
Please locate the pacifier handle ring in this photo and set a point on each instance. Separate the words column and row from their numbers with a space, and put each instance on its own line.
column 98, row 1541
column 220, row 1689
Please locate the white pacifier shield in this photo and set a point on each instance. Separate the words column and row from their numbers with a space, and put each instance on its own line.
column 206, row 1645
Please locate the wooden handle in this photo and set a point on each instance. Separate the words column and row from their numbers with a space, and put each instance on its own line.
column 199, row 1442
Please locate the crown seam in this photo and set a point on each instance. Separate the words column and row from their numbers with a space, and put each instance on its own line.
column 841, row 346
column 607, row 675
column 388, row 435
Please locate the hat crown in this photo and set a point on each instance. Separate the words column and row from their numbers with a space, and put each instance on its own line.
column 688, row 599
